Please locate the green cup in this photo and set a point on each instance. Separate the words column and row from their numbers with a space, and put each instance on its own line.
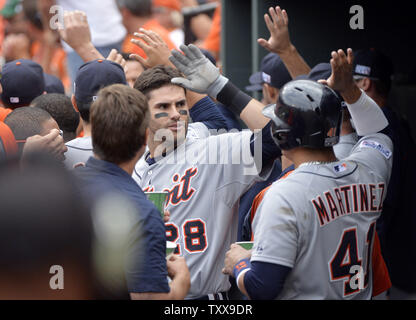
column 170, row 248
column 248, row 245
column 159, row 200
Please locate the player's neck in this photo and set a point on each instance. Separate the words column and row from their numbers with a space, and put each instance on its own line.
column 305, row 155
column 87, row 129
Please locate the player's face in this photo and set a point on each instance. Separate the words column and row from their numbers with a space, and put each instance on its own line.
column 169, row 110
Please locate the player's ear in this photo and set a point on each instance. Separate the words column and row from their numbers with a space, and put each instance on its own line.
column 74, row 103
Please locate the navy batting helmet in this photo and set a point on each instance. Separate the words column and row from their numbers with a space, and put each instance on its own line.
column 304, row 115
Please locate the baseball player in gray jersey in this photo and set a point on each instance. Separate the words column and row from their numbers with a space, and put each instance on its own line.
column 204, row 177
column 314, row 230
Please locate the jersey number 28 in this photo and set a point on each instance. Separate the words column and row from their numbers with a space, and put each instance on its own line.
column 193, row 234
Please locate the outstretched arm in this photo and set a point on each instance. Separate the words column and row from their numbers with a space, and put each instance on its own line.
column 157, row 52
column 366, row 114
column 279, row 42
column 203, row 77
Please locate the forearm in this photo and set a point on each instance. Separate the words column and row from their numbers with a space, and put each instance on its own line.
column 88, row 52
column 248, row 109
column 179, row 287
column 294, row 62
column 366, row 114
column 269, row 150
column 263, row 281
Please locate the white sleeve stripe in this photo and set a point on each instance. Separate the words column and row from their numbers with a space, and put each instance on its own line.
column 239, row 276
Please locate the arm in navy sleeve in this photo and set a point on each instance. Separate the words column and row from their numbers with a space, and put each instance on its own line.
column 264, row 281
column 207, row 112
column 270, row 151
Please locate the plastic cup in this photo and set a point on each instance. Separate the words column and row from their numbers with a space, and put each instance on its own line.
column 248, row 245
column 170, row 248
column 159, row 200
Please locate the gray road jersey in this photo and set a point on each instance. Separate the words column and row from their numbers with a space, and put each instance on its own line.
column 203, row 202
column 343, row 148
column 320, row 221
column 79, row 150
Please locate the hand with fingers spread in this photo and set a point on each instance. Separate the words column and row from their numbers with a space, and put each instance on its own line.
column 277, row 23
column 156, row 50
column 76, row 33
column 201, row 75
column 116, row 57
column 341, row 78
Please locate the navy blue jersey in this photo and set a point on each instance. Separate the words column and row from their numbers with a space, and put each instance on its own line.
column 145, row 268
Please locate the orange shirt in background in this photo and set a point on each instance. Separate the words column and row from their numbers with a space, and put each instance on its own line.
column 57, row 63
column 213, row 41
column 153, row 25
column 4, row 113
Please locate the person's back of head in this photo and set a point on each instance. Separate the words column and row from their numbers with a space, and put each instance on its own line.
column 307, row 114
column 53, row 84
column 29, row 121
column 22, row 81
column 139, row 8
column 45, row 232
column 119, row 119
column 91, row 77
column 60, row 108
column 155, row 78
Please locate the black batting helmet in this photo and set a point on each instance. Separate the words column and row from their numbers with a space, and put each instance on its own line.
column 304, row 115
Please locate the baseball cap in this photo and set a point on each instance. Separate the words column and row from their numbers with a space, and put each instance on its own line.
column 320, row 71
column 11, row 8
column 22, row 81
column 53, row 84
column 373, row 64
column 171, row 4
column 94, row 75
column 273, row 72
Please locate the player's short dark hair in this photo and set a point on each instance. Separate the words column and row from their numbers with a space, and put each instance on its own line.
column 26, row 121
column 140, row 8
column 155, row 78
column 59, row 106
column 84, row 110
column 119, row 118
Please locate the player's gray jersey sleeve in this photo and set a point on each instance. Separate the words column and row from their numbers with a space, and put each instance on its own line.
column 343, row 148
column 276, row 231
column 197, row 130
column 375, row 152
